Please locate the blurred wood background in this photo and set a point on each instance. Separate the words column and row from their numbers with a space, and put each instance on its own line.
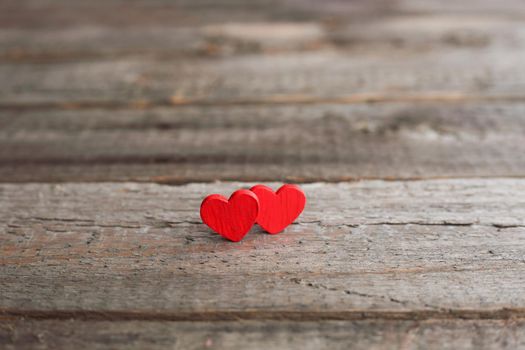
column 403, row 120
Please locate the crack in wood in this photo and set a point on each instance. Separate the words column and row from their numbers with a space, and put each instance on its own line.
column 118, row 315
column 364, row 295
column 171, row 224
column 416, row 223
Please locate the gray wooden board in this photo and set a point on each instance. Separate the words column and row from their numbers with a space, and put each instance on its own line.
column 295, row 143
column 377, row 334
column 371, row 249
column 185, row 91
column 395, row 32
column 123, row 13
column 306, row 77
column 402, row 50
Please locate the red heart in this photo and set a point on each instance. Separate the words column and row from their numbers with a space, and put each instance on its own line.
column 232, row 218
column 278, row 209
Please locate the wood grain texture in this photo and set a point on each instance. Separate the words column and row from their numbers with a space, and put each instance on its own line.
column 309, row 77
column 367, row 250
column 297, row 51
column 197, row 90
column 293, row 143
column 123, row 13
column 354, row 33
column 432, row 334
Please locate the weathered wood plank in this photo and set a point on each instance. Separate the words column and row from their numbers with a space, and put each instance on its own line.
column 299, row 143
column 123, row 13
column 376, row 35
column 432, row 334
column 75, row 30
column 45, row 14
column 286, row 78
column 390, row 250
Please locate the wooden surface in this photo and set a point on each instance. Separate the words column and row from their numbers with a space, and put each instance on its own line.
column 403, row 121
column 376, row 334
column 264, row 143
column 372, row 250
column 393, row 248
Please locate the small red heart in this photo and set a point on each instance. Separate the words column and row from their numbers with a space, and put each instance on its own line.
column 278, row 209
column 231, row 218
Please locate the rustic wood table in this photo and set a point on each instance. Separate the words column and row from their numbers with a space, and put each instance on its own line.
column 404, row 122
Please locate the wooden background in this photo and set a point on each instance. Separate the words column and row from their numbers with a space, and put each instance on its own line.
column 404, row 120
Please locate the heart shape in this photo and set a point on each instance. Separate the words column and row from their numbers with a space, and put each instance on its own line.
column 231, row 218
column 278, row 209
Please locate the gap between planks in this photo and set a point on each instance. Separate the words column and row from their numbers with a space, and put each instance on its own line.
column 177, row 101
column 171, row 182
column 174, row 182
column 298, row 316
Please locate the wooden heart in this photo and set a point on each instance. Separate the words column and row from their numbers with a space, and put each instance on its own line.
column 231, row 218
column 278, row 209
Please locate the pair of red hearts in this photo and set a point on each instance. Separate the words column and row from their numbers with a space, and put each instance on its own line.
column 273, row 211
